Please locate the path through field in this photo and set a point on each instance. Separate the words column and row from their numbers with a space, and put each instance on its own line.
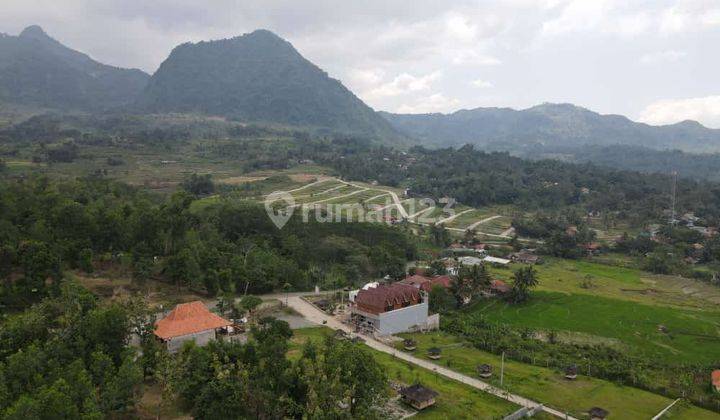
column 313, row 314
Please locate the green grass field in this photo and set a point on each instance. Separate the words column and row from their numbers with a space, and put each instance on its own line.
column 693, row 335
column 595, row 279
column 456, row 401
column 548, row 386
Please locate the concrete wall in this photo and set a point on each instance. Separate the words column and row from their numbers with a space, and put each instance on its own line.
column 200, row 338
column 404, row 319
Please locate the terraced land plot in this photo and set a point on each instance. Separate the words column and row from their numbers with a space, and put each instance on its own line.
column 324, row 196
column 415, row 205
column 495, row 226
column 466, row 219
column 358, row 198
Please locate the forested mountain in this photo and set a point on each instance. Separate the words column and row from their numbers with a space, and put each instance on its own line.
column 37, row 70
column 637, row 158
column 258, row 77
column 557, row 125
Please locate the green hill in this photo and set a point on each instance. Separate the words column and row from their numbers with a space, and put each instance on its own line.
column 36, row 70
column 550, row 125
column 258, row 77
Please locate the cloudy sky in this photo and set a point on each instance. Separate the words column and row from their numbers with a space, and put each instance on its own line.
column 654, row 61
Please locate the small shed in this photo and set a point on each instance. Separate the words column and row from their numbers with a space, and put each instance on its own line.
column 597, row 413
column 418, row 396
column 571, row 372
column 409, row 344
column 434, row 353
column 484, row 371
column 340, row 334
column 715, row 376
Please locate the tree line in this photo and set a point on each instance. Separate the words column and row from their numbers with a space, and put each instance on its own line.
column 220, row 246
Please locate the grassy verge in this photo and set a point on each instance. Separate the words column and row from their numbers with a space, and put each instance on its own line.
column 548, row 386
column 455, row 401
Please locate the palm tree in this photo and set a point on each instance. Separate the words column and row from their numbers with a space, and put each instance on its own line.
column 523, row 280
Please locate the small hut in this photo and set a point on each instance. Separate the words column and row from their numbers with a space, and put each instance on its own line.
column 715, row 378
column 571, row 372
column 597, row 413
column 484, row 371
column 434, row 353
column 418, row 396
column 409, row 344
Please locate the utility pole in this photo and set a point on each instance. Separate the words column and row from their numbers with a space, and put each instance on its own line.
column 502, row 369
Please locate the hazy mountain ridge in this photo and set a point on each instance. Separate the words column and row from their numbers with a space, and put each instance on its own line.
column 258, row 77
column 35, row 69
column 554, row 125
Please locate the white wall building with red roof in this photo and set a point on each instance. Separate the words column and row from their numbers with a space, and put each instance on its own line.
column 189, row 322
column 392, row 309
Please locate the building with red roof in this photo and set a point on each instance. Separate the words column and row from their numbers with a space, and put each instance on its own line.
column 416, row 280
column 716, row 379
column 391, row 309
column 442, row 281
column 499, row 287
column 427, row 283
column 189, row 321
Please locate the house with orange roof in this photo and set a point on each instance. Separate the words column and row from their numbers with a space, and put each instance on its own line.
column 191, row 321
column 716, row 379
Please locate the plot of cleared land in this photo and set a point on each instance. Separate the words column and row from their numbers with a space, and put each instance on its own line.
column 495, row 226
column 548, row 385
column 355, row 198
column 455, row 400
column 414, row 205
column 692, row 335
column 324, row 197
column 381, row 198
column 467, row 219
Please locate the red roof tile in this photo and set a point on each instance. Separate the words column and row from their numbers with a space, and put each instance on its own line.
column 383, row 296
column 415, row 280
column 443, row 281
column 499, row 286
column 188, row 318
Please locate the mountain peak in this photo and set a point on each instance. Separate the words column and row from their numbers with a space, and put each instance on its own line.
column 263, row 33
column 34, row 32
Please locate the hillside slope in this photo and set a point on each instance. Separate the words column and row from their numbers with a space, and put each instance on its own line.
column 37, row 70
column 258, row 77
column 557, row 125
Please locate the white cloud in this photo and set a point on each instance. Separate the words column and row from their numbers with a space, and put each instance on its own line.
column 705, row 110
column 473, row 57
column 404, row 83
column 436, row 102
column 483, row 84
column 662, row 57
column 711, row 18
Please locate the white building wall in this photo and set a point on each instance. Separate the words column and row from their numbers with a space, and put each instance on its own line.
column 402, row 320
column 201, row 338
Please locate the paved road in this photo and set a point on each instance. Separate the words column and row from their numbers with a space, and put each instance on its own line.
column 313, row 314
